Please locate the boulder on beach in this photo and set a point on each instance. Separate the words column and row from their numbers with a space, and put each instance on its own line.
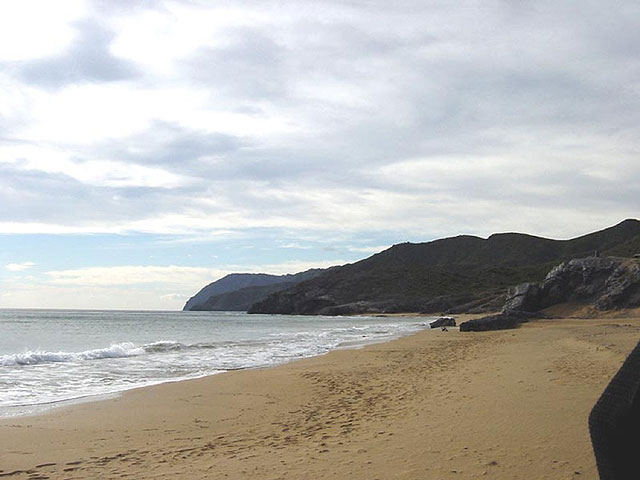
column 501, row 321
column 443, row 322
column 524, row 297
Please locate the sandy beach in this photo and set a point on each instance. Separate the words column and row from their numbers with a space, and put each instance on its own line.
column 437, row 405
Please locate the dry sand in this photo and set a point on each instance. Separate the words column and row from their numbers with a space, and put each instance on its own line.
column 436, row 405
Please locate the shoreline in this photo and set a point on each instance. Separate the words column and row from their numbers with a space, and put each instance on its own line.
column 511, row 403
column 29, row 410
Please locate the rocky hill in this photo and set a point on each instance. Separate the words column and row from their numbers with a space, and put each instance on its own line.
column 238, row 291
column 463, row 273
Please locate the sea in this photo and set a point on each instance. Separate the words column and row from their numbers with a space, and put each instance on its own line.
column 52, row 357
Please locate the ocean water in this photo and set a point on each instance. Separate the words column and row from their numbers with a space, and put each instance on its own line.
column 52, row 356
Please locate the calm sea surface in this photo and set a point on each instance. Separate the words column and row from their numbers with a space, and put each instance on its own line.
column 49, row 356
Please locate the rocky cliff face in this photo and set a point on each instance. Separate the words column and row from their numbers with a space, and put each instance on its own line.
column 607, row 283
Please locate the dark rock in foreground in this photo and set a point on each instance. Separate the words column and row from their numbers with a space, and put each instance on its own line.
column 614, row 423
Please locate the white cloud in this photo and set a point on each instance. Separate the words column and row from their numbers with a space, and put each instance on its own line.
column 19, row 267
column 85, row 114
column 52, row 228
column 134, row 275
column 296, row 246
column 156, row 39
column 37, row 295
column 174, row 297
column 369, row 250
column 292, row 266
column 193, row 277
column 99, row 173
column 37, row 28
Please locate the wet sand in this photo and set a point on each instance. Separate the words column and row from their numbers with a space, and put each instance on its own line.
column 436, row 405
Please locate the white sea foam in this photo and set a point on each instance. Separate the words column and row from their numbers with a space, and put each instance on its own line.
column 36, row 357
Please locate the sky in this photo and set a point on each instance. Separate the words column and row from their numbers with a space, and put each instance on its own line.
column 149, row 148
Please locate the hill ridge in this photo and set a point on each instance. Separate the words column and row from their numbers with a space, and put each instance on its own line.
column 462, row 272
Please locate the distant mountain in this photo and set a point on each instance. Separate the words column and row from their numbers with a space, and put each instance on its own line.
column 238, row 291
column 463, row 273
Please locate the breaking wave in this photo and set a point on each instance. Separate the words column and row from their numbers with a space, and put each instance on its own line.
column 118, row 350
column 37, row 357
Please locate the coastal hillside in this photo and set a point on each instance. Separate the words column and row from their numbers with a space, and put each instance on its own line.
column 239, row 291
column 459, row 274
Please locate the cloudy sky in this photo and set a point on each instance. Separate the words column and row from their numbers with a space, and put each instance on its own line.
column 148, row 148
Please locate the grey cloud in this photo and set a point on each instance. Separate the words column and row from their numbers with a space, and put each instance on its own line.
column 547, row 83
column 171, row 146
column 87, row 60
column 36, row 196
column 490, row 96
column 250, row 66
column 214, row 156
